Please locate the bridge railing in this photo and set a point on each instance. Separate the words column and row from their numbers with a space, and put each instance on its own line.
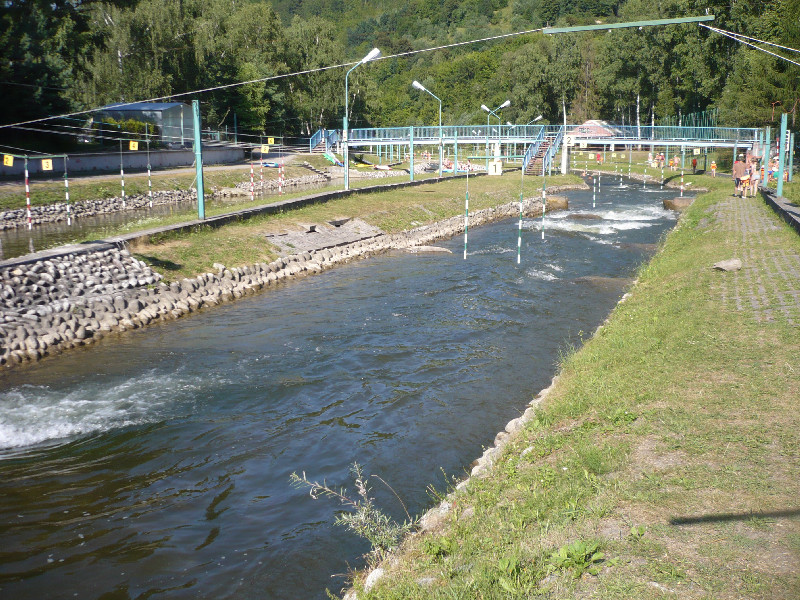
column 552, row 149
column 526, row 133
column 449, row 132
column 533, row 150
column 331, row 138
column 316, row 139
column 656, row 133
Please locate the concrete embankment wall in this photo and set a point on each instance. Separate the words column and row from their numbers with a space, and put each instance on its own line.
column 51, row 303
column 108, row 162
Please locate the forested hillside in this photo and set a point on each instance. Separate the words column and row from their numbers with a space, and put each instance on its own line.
column 61, row 55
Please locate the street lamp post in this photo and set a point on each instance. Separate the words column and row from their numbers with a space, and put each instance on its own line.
column 422, row 88
column 500, row 122
column 373, row 54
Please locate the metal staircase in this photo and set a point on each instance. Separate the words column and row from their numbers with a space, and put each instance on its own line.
column 542, row 151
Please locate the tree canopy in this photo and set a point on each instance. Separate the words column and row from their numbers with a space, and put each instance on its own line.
column 65, row 55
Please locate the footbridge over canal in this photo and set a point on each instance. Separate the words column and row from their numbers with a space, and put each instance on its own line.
column 535, row 146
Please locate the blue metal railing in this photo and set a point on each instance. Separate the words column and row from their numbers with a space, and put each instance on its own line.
column 553, row 148
column 529, row 134
column 315, row 140
column 429, row 134
column 331, row 138
column 533, row 150
column 660, row 132
column 526, row 133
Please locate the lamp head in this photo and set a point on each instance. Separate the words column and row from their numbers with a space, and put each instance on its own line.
column 418, row 85
column 504, row 104
column 537, row 118
column 486, row 108
column 373, row 54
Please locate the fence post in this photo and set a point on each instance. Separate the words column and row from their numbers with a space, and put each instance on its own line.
column 411, row 146
column 781, row 153
column 198, row 154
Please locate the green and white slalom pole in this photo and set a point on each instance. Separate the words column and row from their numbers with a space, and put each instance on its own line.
column 630, row 160
column 519, row 235
column 466, row 213
column 544, row 197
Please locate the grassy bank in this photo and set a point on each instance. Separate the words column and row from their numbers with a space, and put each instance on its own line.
column 185, row 255
column 665, row 462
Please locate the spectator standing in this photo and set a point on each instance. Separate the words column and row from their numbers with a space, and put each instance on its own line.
column 738, row 173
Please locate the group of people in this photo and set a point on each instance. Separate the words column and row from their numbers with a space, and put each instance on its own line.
column 746, row 176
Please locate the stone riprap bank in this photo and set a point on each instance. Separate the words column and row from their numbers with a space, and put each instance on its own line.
column 56, row 213
column 63, row 302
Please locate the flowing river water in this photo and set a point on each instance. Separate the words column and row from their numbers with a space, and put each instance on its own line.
column 156, row 463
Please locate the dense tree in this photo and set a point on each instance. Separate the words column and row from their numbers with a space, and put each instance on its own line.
column 61, row 55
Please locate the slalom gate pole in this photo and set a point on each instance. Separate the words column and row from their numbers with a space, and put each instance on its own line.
column 66, row 191
column 149, row 180
column 466, row 213
column 28, row 194
column 122, row 174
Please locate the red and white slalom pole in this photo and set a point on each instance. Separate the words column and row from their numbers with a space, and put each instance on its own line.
column 252, row 183
column 28, row 195
column 66, row 193
column 122, row 177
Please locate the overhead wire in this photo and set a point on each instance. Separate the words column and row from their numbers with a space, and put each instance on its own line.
column 736, row 36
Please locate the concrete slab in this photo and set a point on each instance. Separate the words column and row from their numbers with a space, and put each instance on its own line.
column 318, row 236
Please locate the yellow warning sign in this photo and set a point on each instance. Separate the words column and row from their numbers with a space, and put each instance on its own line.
column 613, row 155
column 271, row 141
column 697, row 150
column 8, row 160
column 47, row 164
column 264, row 148
column 133, row 145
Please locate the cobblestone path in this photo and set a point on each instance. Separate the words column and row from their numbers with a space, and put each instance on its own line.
column 769, row 282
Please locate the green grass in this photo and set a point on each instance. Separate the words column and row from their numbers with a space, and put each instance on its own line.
column 244, row 243
column 667, row 441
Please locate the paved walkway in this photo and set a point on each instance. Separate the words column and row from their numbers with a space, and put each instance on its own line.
column 769, row 282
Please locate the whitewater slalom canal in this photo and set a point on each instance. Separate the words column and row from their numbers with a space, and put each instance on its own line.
column 156, row 464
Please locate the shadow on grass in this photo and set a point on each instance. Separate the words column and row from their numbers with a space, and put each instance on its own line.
column 167, row 265
column 725, row 517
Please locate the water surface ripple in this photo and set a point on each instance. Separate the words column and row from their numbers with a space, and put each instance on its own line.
column 157, row 463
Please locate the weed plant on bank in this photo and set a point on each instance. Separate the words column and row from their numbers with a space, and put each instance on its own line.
column 664, row 463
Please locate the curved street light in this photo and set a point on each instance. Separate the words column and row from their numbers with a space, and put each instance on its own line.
column 373, row 54
column 499, row 120
column 416, row 84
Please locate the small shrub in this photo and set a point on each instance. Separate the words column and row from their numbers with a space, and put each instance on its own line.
column 579, row 557
column 366, row 520
column 439, row 547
